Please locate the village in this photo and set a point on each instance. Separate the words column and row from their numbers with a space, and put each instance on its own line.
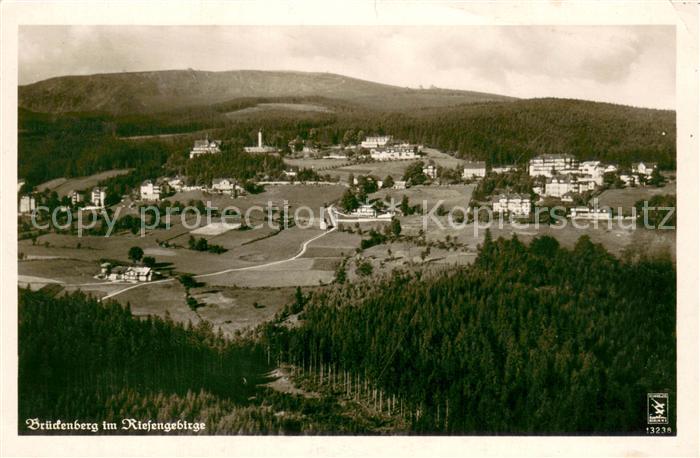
column 372, row 196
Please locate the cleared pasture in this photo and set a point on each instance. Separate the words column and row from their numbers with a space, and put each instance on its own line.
column 64, row 186
column 627, row 197
column 453, row 195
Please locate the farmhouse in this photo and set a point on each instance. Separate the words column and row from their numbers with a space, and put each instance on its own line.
column 202, row 147
column 126, row 273
column 260, row 148
column 376, row 142
column 150, row 191
column 98, row 197
column 27, row 204
column 516, row 204
column 475, row 169
column 549, row 165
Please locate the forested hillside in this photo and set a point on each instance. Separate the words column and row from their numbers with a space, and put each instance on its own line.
column 500, row 133
column 86, row 361
column 534, row 339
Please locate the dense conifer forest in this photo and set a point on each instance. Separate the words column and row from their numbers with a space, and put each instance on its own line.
column 536, row 339
column 83, row 360
column 498, row 132
column 531, row 339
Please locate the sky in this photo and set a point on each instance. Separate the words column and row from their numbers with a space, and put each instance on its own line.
column 630, row 65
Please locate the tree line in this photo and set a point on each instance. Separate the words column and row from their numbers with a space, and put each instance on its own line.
column 532, row 339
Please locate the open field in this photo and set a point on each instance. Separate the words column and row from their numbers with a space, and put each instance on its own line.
column 216, row 228
column 64, row 186
column 320, row 165
column 441, row 159
column 452, row 195
column 243, row 250
column 298, row 272
column 378, row 169
column 62, row 270
column 618, row 239
column 229, row 308
column 235, row 300
column 627, row 197
column 311, row 195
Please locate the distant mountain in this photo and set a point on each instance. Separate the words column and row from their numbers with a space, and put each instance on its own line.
column 148, row 92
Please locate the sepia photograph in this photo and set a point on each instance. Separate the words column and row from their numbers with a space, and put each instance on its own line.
column 354, row 230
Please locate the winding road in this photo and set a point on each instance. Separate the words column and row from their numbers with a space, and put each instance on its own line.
column 304, row 246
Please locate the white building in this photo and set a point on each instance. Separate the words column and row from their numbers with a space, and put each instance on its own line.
column 504, row 168
column 400, row 184
column 595, row 169
column 260, row 148
column 202, row 147
column 558, row 186
column 549, row 165
column 517, row 204
column 223, row 185
column 376, row 141
column 27, row 204
column 394, row 153
column 76, row 197
column 629, row 179
column 475, row 169
column 98, row 197
column 590, row 213
column 364, row 211
column 610, row 168
column 644, row 168
column 150, row 191
column 430, row 171
column 176, row 183
column 126, row 273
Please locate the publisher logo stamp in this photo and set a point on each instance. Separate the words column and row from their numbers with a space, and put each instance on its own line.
column 657, row 408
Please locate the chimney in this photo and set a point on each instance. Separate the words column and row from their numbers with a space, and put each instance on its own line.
column 260, row 139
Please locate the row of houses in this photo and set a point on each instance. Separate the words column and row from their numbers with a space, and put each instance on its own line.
column 566, row 176
column 153, row 191
column 400, row 152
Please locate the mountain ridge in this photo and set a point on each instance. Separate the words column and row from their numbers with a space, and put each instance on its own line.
column 153, row 91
